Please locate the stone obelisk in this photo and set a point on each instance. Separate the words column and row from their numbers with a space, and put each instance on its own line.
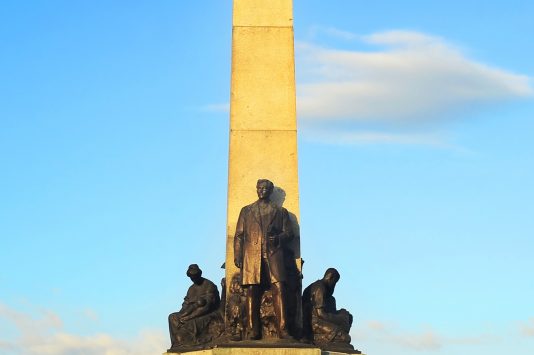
column 263, row 126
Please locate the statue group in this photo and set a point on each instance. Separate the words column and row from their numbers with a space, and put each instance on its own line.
column 265, row 303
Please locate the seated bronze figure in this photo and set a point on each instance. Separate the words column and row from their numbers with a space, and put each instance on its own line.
column 323, row 324
column 199, row 321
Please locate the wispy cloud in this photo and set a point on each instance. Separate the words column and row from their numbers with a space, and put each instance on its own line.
column 374, row 137
column 411, row 76
column 401, row 78
column 333, row 32
column 425, row 339
column 382, row 332
column 527, row 328
column 90, row 314
column 43, row 333
column 221, row 107
column 403, row 81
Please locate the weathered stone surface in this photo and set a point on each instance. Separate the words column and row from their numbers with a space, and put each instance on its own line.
column 263, row 13
column 263, row 79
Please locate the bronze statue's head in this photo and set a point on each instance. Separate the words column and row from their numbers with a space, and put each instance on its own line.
column 264, row 188
column 331, row 277
column 194, row 272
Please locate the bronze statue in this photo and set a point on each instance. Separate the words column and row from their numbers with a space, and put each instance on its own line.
column 324, row 325
column 199, row 321
column 262, row 232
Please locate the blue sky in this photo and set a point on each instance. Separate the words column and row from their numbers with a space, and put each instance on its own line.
column 415, row 165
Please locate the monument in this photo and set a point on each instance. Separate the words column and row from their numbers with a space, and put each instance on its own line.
column 262, row 309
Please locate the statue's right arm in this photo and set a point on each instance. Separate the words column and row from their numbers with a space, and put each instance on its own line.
column 336, row 318
column 186, row 307
column 319, row 299
column 200, row 308
column 238, row 240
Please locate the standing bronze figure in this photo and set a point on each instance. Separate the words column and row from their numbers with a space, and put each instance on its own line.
column 262, row 232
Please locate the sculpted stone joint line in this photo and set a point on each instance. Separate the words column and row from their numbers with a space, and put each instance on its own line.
column 262, row 26
column 263, row 130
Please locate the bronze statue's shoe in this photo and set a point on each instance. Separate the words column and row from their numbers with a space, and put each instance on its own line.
column 254, row 336
column 285, row 336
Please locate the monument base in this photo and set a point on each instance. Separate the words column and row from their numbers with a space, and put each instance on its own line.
column 262, row 351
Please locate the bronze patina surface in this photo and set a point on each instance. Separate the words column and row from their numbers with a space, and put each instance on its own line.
column 199, row 322
column 324, row 325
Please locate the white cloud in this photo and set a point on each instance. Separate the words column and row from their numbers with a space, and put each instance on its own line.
column 527, row 328
column 408, row 78
column 383, row 332
column 413, row 77
column 43, row 333
column 425, row 339
column 335, row 32
column 374, row 137
column 90, row 314
column 222, row 107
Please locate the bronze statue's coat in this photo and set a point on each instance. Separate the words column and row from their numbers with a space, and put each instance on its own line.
column 251, row 235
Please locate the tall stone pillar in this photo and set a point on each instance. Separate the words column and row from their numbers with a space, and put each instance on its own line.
column 263, row 127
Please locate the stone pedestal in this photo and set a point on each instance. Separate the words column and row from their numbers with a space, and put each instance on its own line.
column 254, row 351
column 260, row 351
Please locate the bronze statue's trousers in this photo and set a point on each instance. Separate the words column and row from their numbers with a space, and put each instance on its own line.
column 254, row 293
